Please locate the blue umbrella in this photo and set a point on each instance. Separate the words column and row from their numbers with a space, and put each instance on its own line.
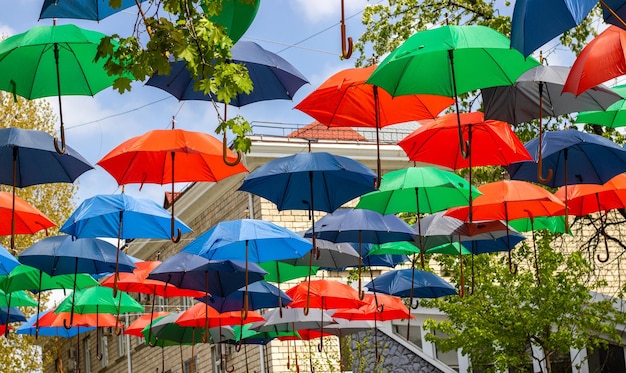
column 362, row 226
column 30, row 328
column 93, row 10
column 9, row 315
column 217, row 277
column 398, row 282
column 272, row 77
column 61, row 255
column 250, row 240
column 571, row 157
column 7, row 261
column 34, row 160
column 123, row 217
column 535, row 22
column 261, row 295
column 381, row 260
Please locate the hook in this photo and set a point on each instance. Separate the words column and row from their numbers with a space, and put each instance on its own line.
column 416, row 304
column 361, row 294
column 156, row 341
column 71, row 320
column 175, row 238
column 381, row 308
column 238, row 346
column 464, row 146
column 60, row 149
column 225, row 152
column 540, row 172
column 606, row 248
column 118, row 327
column 320, row 348
column 345, row 53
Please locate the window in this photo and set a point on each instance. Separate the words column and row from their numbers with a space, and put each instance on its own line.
column 450, row 358
column 187, row 302
column 415, row 336
column 104, row 350
column 190, row 366
column 121, row 344
column 561, row 363
column 607, row 359
column 87, row 354
column 216, row 362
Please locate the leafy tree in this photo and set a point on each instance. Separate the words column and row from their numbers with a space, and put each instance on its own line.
column 184, row 32
column 19, row 353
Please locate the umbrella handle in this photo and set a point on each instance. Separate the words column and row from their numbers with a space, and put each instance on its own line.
column 176, row 238
column 320, row 346
column 65, row 325
column 464, row 146
column 156, row 340
column 416, row 304
column 225, row 151
column 381, row 308
column 540, row 172
column 345, row 53
column 238, row 346
column 606, row 245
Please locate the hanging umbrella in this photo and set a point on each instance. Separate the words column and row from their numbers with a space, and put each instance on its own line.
column 123, row 217
column 29, row 327
column 331, row 255
column 25, row 218
column 612, row 117
column 445, row 61
column 574, row 157
column 201, row 316
column 362, row 226
column 93, row 10
column 604, row 50
column 154, row 156
column 61, row 255
column 494, row 142
column 7, row 261
column 43, row 61
column 419, row 190
column 279, row 271
column 535, row 23
column 555, row 224
column 261, row 294
column 250, row 240
column 18, row 298
column 614, row 12
column 380, row 259
column 424, row 285
column 293, row 319
column 24, row 277
column 9, row 315
column 236, row 16
column 585, row 199
column 136, row 327
column 346, row 100
column 34, row 160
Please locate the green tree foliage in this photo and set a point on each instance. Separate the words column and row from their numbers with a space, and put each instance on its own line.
column 174, row 29
column 20, row 353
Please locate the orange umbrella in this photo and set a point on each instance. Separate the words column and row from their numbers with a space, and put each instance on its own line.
column 28, row 220
column 139, row 324
column 584, row 199
column 170, row 156
column 602, row 59
column 346, row 100
column 509, row 200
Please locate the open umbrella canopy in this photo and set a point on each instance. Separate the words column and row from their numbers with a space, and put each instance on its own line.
column 201, row 314
column 535, row 23
column 539, row 93
column 29, row 327
column 272, row 77
column 476, row 247
column 27, row 219
column 86, row 320
column 379, row 307
column 586, row 71
column 93, row 10
column 99, row 299
column 324, row 294
column 18, row 298
column 555, row 224
column 7, row 261
column 279, row 271
column 329, row 255
column 164, row 332
column 293, row 319
column 612, row 117
column 584, row 199
column 398, row 282
column 136, row 327
column 310, row 181
column 250, row 240
column 138, row 282
column 147, row 159
column 10, row 315
column 417, row 189
column 60, row 255
column 575, row 157
column 491, row 142
column 261, row 294
column 217, row 277
column 449, row 60
column 120, row 215
column 24, row 277
column 236, row 16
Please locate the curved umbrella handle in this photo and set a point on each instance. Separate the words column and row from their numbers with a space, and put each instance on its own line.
column 65, row 325
column 381, row 308
column 225, row 152
column 415, row 305
column 464, row 146
column 345, row 53
column 156, row 341
column 60, row 149
column 175, row 238
column 540, row 172
column 606, row 248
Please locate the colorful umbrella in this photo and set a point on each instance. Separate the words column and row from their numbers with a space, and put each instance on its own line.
column 7, row 261
column 279, row 271
column 614, row 12
column 346, row 100
column 44, row 61
column 135, row 328
column 398, row 283
column 604, row 50
column 612, row 117
column 29, row 327
column 25, row 218
column 293, row 319
column 261, row 294
column 169, row 156
column 236, row 16
column 555, row 224
column 24, row 277
column 93, row 10
column 34, row 160
column 331, row 255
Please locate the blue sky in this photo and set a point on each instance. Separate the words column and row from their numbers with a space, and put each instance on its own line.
column 95, row 125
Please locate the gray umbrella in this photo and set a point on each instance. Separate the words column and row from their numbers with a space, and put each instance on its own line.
column 538, row 93
column 520, row 102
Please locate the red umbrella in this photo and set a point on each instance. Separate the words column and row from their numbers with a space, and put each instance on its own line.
column 28, row 220
column 585, row 199
column 170, row 156
column 140, row 323
column 509, row 200
column 202, row 315
column 602, row 59
column 489, row 143
column 346, row 100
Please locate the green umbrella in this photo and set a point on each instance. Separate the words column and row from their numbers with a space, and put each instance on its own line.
column 282, row 272
column 614, row 116
column 100, row 299
column 555, row 224
column 449, row 61
column 236, row 16
column 18, row 298
column 394, row 248
column 50, row 61
column 24, row 277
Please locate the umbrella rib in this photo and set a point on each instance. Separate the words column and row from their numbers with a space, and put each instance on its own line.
column 80, row 67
